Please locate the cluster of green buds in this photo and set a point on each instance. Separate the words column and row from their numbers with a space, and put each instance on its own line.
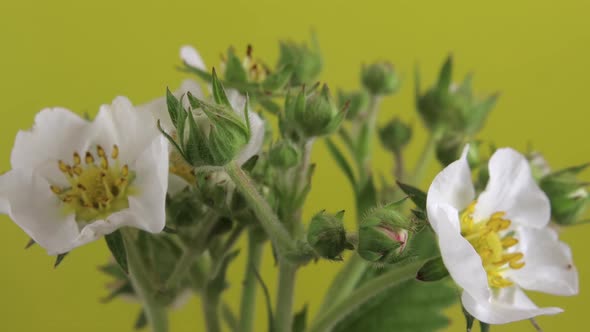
column 452, row 111
column 310, row 114
column 208, row 133
column 327, row 236
column 380, row 79
column 567, row 194
column 305, row 62
column 384, row 235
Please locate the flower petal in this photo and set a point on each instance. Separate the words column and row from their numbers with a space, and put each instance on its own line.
column 149, row 205
column 46, row 223
column 191, row 57
column 548, row 266
column 508, row 305
column 512, row 189
column 452, row 186
column 459, row 256
column 56, row 135
column 121, row 124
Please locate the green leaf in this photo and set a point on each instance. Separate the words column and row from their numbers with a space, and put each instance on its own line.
column 416, row 195
column 218, row 91
column 341, row 161
column 59, row 259
column 117, row 248
column 409, row 307
column 433, row 270
column 300, row 319
column 479, row 113
column 271, row 327
column 229, row 318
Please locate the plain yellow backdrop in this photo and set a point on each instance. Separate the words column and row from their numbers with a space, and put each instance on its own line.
column 80, row 54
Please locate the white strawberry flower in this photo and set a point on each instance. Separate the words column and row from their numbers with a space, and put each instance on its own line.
column 499, row 243
column 73, row 181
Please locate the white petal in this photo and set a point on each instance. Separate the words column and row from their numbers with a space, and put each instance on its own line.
column 30, row 203
column 548, row 266
column 462, row 261
column 508, row 305
column 148, row 206
column 256, row 141
column 121, row 124
column 176, row 184
column 452, row 186
column 191, row 57
column 56, row 135
column 512, row 189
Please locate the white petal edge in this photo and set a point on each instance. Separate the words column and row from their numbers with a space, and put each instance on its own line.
column 191, row 57
column 549, row 267
column 452, row 186
column 512, row 189
column 46, row 223
column 462, row 261
column 510, row 305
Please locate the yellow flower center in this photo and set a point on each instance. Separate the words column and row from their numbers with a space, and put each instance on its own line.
column 487, row 238
column 96, row 188
column 179, row 167
column 256, row 71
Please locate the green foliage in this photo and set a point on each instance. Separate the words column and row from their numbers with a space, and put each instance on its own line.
column 117, row 247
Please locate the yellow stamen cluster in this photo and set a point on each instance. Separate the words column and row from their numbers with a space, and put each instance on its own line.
column 179, row 167
column 257, row 72
column 490, row 243
column 97, row 187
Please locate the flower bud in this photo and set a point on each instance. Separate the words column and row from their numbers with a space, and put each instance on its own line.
column 357, row 102
column 311, row 116
column 384, row 235
column 395, row 135
column 380, row 79
column 539, row 165
column 305, row 62
column 327, row 236
column 452, row 107
column 284, row 155
column 568, row 196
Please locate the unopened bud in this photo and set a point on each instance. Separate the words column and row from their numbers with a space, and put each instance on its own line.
column 327, row 236
column 380, row 79
column 395, row 135
column 383, row 235
column 306, row 62
column 568, row 196
column 284, row 155
column 357, row 102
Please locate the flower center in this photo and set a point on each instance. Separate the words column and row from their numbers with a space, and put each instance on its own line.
column 255, row 70
column 179, row 166
column 96, row 188
column 491, row 242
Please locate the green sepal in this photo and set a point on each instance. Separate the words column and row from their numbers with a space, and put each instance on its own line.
column 278, row 79
column 219, row 94
column 30, row 243
column 141, row 321
column 469, row 320
column 234, row 71
column 445, row 75
column 59, row 259
column 249, row 165
column 300, row 320
column 416, row 195
column 478, row 114
column 117, row 247
column 433, row 270
column 484, row 327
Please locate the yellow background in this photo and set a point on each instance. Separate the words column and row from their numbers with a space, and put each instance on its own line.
column 80, row 54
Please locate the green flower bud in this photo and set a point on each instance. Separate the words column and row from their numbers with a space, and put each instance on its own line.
column 383, row 235
column 452, row 107
column 357, row 102
column 327, row 236
column 308, row 116
column 539, row 165
column 568, row 196
column 284, row 155
column 306, row 62
column 395, row 135
column 213, row 133
column 380, row 79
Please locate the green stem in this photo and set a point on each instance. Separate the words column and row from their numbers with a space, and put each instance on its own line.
column 370, row 123
column 192, row 251
column 344, row 282
column 248, row 305
column 211, row 311
column 328, row 319
column 268, row 219
column 425, row 157
column 143, row 286
column 284, row 305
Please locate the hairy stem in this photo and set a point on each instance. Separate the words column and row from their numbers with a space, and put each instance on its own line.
column 211, row 311
column 336, row 313
column 268, row 219
column 248, row 305
column 143, row 286
column 284, row 305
